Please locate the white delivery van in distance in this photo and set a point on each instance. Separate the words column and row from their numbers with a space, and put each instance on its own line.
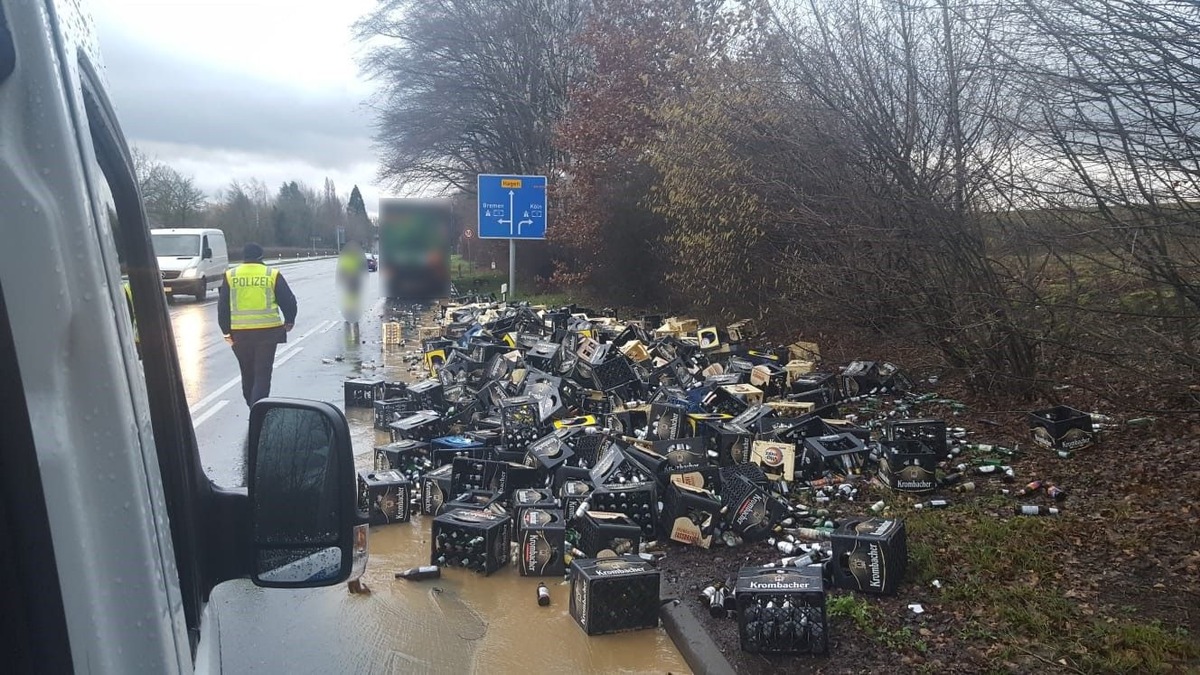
column 191, row 260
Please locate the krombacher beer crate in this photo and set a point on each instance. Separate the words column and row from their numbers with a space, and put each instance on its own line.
column 908, row 465
column 819, row 388
column 401, row 455
column 781, row 610
column 477, row 540
column 533, row 498
column 521, row 422
column 391, row 409
column 384, row 496
column 861, row 378
column 843, row 453
column 931, row 432
column 548, row 452
column 428, row 394
column 481, row 474
column 446, row 449
column 1061, row 428
column 869, row 555
column 747, row 509
column 690, row 514
column 613, row 374
column 601, row 531
column 586, row 446
column 770, row 377
column 363, row 392
column 703, row 477
column 435, row 490
column 733, row 444
column 424, row 425
column 613, row 595
column 571, row 494
column 616, row 467
column 541, row 538
column 666, row 421
column 639, row 501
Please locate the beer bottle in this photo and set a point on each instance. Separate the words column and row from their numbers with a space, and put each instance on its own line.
column 543, row 595
column 933, row 504
column 969, row 486
column 1029, row 489
column 1034, row 510
column 1056, row 493
column 420, row 573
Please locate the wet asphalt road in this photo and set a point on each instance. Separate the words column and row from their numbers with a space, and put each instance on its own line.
column 461, row 623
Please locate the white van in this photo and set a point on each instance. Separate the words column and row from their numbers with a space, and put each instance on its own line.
column 191, row 260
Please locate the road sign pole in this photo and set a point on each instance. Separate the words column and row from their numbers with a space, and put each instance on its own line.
column 512, row 268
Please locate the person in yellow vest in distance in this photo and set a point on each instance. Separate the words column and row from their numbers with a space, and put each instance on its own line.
column 137, row 337
column 249, row 313
column 351, row 271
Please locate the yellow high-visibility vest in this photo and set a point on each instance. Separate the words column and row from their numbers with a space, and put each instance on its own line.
column 132, row 314
column 252, row 297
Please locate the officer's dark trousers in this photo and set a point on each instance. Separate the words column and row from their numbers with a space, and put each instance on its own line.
column 256, row 358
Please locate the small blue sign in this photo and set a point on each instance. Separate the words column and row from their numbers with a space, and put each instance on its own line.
column 512, row 207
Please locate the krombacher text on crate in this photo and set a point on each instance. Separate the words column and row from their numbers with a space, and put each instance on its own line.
column 869, row 555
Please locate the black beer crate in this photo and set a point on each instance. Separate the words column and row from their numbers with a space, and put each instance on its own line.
column 615, row 466
column 428, row 394
column 869, row 555
column 532, row 498
column 572, row 493
column 586, row 446
column 639, row 501
column 690, row 514
column 363, row 392
column 613, row 373
column 474, row 500
column 607, row 531
column 384, row 496
column 541, row 540
column 521, row 422
column 861, row 378
column 394, row 390
column 435, row 490
column 477, row 540
column 781, row 610
column 593, row 402
column 666, row 421
column 391, row 409
column 931, row 432
column 1062, row 428
column 841, row 453
column 549, row 452
column 732, row 444
column 908, row 465
column 404, row 456
column 423, row 425
column 704, row 477
column 481, row 474
column 613, row 595
column 751, row 513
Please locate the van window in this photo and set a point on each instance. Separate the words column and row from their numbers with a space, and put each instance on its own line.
column 176, row 245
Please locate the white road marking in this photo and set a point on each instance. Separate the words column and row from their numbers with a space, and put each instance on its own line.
column 279, row 358
column 209, row 413
column 331, row 326
column 283, row 359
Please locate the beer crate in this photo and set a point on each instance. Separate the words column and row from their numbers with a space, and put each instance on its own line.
column 549, row 452
column 732, row 444
column 532, row 498
column 541, row 541
column 384, row 496
column 639, row 501
column 391, row 409
column 435, row 490
column 423, row 425
column 477, row 540
column 751, row 514
column 704, row 477
column 778, row 460
column 869, row 555
column 770, row 377
column 606, row 531
column 908, row 465
column 521, row 422
column 393, row 333
column 393, row 390
column 481, row 474
column 474, row 500
column 690, row 514
column 613, row 374
column 615, row 466
column 613, row 595
column 572, row 493
column 666, row 421
column 841, row 453
column 445, row 449
column 586, row 446
column 781, row 610
column 861, row 378
column 404, row 456
column 1061, row 428
column 931, row 432
column 428, row 394
column 566, row 472
column 362, row 392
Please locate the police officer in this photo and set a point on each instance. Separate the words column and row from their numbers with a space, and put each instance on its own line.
column 248, row 312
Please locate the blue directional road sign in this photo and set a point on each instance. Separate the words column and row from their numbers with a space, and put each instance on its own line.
column 512, row 207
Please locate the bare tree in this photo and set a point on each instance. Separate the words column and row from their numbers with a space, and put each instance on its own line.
column 171, row 198
column 470, row 86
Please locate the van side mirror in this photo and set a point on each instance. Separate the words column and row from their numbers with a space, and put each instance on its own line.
column 304, row 516
column 206, row 254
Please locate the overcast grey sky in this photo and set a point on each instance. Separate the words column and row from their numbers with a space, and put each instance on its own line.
column 224, row 89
